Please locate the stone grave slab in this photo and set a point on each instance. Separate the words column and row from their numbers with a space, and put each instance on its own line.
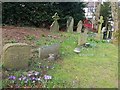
column 16, row 55
column 45, row 51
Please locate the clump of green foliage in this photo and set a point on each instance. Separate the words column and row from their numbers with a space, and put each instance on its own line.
column 40, row 14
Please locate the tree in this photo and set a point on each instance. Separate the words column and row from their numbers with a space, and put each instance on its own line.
column 40, row 14
column 106, row 12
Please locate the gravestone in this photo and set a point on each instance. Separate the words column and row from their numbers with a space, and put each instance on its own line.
column 70, row 24
column 99, row 36
column 79, row 26
column 82, row 39
column 55, row 26
column 16, row 55
column 45, row 51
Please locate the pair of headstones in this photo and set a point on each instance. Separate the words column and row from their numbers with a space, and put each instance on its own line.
column 70, row 25
column 17, row 55
column 55, row 26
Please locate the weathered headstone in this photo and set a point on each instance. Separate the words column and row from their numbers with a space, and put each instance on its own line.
column 16, row 55
column 70, row 24
column 83, row 37
column 55, row 26
column 45, row 51
column 79, row 26
column 99, row 36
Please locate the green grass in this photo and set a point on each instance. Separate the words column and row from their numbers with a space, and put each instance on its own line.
column 93, row 67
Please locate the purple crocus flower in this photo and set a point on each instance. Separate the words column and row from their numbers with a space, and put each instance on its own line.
column 36, row 73
column 47, row 77
column 20, row 79
column 12, row 77
column 24, row 78
column 39, row 78
column 42, row 67
column 33, row 79
column 29, row 74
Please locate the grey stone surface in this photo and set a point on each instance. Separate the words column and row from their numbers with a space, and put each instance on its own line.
column 79, row 26
column 70, row 24
column 77, row 50
column 45, row 51
column 16, row 55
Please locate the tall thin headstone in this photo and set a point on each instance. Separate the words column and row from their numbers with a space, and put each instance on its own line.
column 70, row 24
column 55, row 26
column 82, row 39
column 99, row 28
column 79, row 26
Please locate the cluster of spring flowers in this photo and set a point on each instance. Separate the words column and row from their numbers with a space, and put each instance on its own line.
column 31, row 77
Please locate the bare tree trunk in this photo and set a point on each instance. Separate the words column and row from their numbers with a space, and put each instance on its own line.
column 114, row 9
column 97, row 14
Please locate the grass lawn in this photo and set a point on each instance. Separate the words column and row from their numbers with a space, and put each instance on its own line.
column 93, row 67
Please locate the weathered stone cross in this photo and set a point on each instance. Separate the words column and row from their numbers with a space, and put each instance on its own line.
column 98, row 36
column 100, row 25
column 55, row 26
column 55, row 17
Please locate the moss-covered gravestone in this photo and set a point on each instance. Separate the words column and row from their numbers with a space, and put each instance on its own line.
column 16, row 55
column 55, row 26
column 70, row 24
column 82, row 39
column 79, row 26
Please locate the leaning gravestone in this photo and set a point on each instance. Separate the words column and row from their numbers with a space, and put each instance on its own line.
column 45, row 51
column 79, row 26
column 15, row 56
column 70, row 24
column 82, row 39
column 55, row 26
